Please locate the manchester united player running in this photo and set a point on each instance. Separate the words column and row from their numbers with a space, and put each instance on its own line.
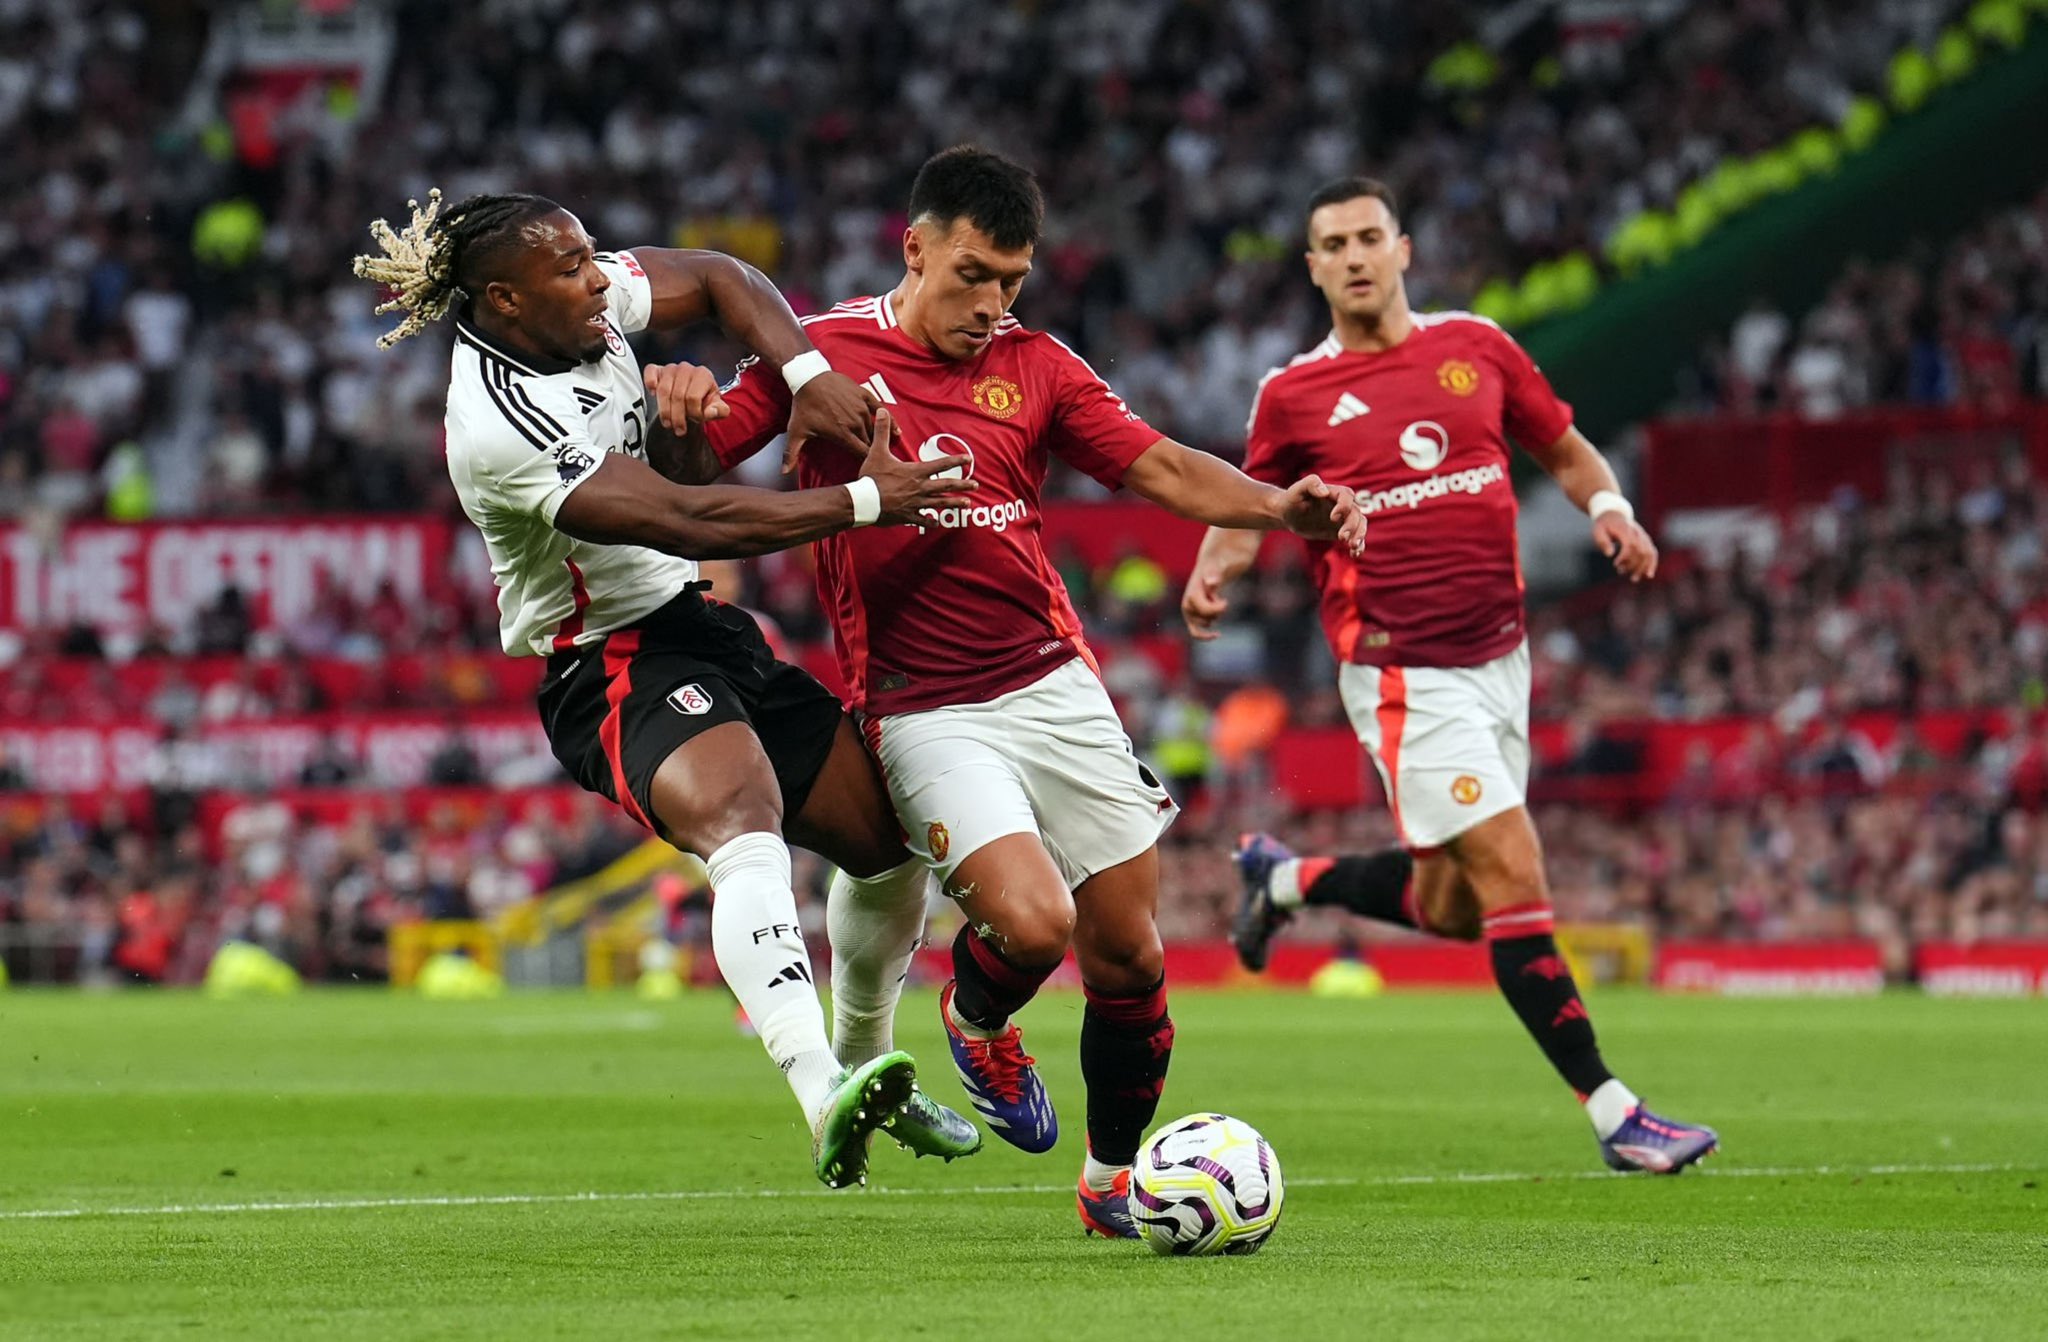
column 964, row 658
column 1414, row 412
column 666, row 702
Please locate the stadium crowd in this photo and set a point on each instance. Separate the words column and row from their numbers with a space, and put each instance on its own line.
column 1933, row 597
column 1964, row 325
column 181, row 277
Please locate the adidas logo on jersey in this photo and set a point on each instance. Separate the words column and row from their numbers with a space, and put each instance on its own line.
column 1349, row 407
column 796, row 973
column 880, row 389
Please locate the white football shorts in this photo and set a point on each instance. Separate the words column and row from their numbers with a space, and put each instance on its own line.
column 1050, row 758
column 1451, row 743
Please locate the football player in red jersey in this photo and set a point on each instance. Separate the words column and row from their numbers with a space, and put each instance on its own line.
column 964, row 658
column 1414, row 412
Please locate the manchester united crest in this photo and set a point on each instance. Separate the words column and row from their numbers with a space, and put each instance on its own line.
column 1465, row 789
column 936, row 839
column 998, row 397
column 1458, row 377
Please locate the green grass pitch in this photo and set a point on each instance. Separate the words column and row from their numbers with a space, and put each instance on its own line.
column 366, row 1165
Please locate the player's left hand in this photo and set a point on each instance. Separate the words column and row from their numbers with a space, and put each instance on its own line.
column 1624, row 541
column 1324, row 512
column 832, row 406
column 684, row 395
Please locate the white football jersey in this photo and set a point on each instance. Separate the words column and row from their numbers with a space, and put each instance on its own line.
column 522, row 433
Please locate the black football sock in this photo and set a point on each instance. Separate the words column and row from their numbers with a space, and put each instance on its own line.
column 1126, row 1045
column 1374, row 886
column 988, row 984
column 1538, row 984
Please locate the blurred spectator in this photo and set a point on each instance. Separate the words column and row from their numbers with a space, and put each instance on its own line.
column 330, row 765
column 455, row 762
column 223, row 626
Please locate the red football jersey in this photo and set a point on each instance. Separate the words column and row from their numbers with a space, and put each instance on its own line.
column 1421, row 432
column 968, row 606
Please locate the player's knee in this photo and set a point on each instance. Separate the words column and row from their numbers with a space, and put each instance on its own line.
column 1036, row 929
column 1500, row 875
column 1123, row 964
column 706, row 821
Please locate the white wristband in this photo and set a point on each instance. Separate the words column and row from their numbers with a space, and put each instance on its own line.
column 867, row 500
column 1607, row 501
column 803, row 368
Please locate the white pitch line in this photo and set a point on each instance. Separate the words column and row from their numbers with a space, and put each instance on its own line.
column 956, row 1190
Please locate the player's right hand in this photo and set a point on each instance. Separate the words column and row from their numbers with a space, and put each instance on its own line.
column 1202, row 605
column 684, row 395
column 909, row 487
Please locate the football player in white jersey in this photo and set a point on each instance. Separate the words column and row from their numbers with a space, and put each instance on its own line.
column 665, row 700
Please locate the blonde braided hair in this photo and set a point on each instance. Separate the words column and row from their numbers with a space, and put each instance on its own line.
column 423, row 263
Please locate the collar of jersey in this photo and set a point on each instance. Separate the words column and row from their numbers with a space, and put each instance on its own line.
column 538, row 365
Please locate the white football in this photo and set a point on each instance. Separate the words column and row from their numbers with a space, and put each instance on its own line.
column 1206, row 1184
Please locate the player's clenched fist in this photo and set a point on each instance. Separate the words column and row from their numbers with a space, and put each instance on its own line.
column 1202, row 603
column 683, row 394
column 1324, row 512
column 1622, row 539
column 907, row 487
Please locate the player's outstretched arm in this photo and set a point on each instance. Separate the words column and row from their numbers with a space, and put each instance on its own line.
column 689, row 286
column 1208, row 489
column 1588, row 481
column 625, row 502
column 1224, row 557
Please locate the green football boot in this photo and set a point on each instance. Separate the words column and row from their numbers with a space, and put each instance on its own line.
column 861, row 1102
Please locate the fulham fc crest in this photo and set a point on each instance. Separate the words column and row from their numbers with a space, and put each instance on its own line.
column 690, row 699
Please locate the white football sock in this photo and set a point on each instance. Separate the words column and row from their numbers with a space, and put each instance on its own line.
column 1099, row 1177
column 1285, row 884
column 1610, row 1106
column 970, row 1029
column 874, row 924
column 761, row 953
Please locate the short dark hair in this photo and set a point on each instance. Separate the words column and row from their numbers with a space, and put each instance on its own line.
column 484, row 230
column 1352, row 188
column 997, row 196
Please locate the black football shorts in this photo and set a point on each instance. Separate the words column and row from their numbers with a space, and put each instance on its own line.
column 615, row 709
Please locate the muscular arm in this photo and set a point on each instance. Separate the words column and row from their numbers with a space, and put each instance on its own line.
column 1205, row 488
column 1577, row 466
column 1209, row 489
column 1222, row 560
column 688, row 286
column 1226, row 555
column 626, row 503
column 685, row 458
column 1581, row 472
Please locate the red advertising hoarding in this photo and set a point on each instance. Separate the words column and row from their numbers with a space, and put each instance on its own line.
column 1982, row 968
column 1771, row 969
